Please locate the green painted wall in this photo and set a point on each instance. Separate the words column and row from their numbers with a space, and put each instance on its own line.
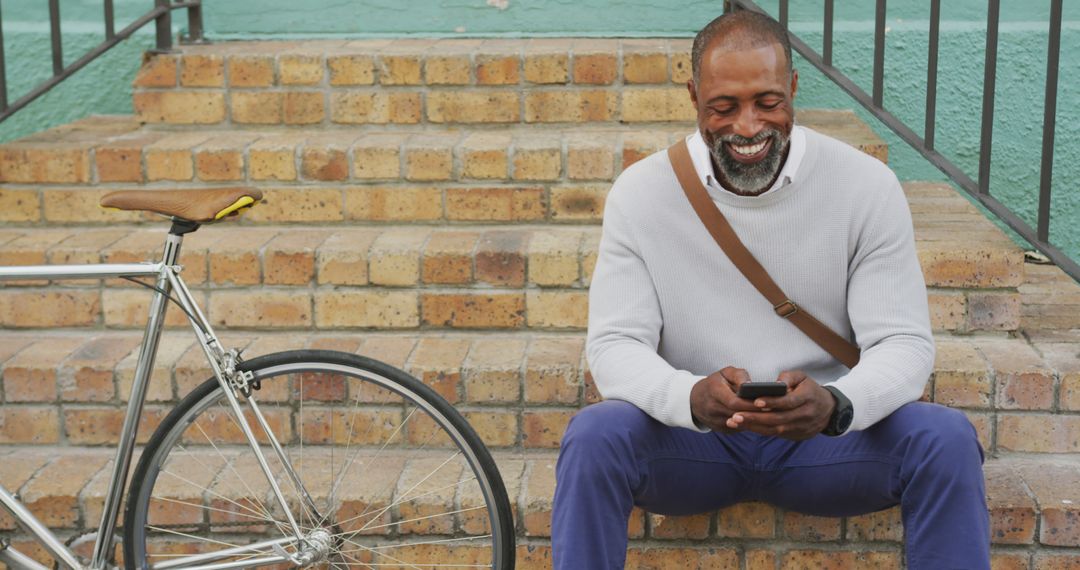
column 103, row 87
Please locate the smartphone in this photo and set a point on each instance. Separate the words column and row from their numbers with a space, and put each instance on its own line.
column 753, row 390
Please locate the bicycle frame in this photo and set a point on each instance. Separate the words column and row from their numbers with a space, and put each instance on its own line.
column 222, row 362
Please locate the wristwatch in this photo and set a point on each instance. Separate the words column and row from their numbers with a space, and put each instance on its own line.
column 842, row 414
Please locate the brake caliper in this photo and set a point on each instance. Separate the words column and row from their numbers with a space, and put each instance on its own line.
column 242, row 381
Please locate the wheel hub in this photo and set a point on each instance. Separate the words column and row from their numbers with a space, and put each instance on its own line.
column 316, row 548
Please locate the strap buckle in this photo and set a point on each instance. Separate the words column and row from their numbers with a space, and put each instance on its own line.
column 786, row 309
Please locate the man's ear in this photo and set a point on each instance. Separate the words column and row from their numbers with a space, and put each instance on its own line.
column 794, row 83
column 693, row 92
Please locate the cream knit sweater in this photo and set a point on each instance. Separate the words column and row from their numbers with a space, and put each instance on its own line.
column 667, row 308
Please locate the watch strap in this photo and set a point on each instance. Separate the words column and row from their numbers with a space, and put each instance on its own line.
column 843, row 409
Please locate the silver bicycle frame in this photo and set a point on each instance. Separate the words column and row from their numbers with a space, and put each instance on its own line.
column 168, row 280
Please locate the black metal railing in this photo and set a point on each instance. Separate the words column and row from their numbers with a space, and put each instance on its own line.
column 980, row 188
column 161, row 14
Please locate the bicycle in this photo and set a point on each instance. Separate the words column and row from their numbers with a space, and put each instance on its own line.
column 354, row 462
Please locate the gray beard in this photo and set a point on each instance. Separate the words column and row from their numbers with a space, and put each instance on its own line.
column 749, row 179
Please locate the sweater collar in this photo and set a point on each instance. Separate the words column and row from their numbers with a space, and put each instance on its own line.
column 699, row 154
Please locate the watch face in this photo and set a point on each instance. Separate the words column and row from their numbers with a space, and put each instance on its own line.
column 843, row 419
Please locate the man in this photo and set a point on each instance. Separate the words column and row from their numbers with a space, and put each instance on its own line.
column 675, row 328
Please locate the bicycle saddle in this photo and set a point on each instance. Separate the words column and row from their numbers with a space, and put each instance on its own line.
column 200, row 205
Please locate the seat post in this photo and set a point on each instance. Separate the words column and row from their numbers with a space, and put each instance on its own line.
column 176, row 238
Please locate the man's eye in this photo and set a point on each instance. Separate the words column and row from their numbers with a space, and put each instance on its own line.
column 723, row 110
column 769, row 105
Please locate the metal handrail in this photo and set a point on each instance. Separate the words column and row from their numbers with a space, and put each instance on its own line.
column 161, row 14
column 980, row 188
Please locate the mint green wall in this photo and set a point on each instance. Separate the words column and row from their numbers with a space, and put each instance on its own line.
column 103, row 87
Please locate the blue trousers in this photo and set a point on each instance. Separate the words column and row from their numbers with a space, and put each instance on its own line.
column 924, row 457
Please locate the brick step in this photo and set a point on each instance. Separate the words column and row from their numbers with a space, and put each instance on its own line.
column 444, row 276
column 1050, row 300
column 519, row 390
column 1032, row 500
column 115, row 152
column 415, row 81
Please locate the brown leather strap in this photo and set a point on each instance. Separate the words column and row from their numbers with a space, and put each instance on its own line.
column 836, row 345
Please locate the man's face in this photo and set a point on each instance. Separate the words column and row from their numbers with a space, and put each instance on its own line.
column 745, row 114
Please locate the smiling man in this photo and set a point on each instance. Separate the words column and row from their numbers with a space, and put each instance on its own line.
column 675, row 329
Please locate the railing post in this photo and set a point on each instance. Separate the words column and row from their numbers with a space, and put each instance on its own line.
column 163, row 25
column 1053, row 52
column 931, row 74
column 989, row 78
column 827, row 39
column 195, row 24
column 3, row 70
column 54, row 37
column 879, row 55
column 110, row 27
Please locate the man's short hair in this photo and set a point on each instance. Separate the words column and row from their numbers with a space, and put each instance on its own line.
column 739, row 30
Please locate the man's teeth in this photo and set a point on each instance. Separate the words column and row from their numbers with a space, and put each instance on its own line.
column 749, row 150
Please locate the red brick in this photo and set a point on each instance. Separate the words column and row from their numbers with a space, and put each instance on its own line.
column 806, row 527
column 29, row 424
column 492, row 371
column 53, row 492
column 552, row 371
column 500, row 258
column 495, row 204
column 747, row 520
column 1013, row 514
column 448, row 257
column 473, row 310
column 1055, row 488
column 684, row 527
column 437, row 362
column 545, row 428
column 882, row 525
column 88, row 374
column 289, row 258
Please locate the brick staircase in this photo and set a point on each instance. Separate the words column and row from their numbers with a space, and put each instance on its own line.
column 437, row 205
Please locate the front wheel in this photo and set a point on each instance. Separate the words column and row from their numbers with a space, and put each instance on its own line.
column 379, row 472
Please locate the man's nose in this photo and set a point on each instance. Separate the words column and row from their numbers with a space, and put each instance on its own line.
column 747, row 123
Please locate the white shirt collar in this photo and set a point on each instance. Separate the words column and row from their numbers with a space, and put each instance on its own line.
column 699, row 154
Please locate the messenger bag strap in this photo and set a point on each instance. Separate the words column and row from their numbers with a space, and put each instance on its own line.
column 836, row 345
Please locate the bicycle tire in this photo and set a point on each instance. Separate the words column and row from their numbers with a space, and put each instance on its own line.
column 189, row 496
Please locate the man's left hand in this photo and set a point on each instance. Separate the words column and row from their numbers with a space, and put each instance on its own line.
column 800, row 414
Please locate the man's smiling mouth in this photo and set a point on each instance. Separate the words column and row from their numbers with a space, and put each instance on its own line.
column 750, row 152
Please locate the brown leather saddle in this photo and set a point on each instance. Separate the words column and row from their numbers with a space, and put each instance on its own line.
column 199, row 205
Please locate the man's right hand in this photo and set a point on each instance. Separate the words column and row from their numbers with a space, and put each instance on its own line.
column 714, row 399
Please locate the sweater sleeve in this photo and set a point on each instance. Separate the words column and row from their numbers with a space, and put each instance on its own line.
column 624, row 330
column 888, row 310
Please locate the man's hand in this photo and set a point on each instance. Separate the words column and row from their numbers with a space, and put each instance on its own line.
column 800, row 414
column 713, row 400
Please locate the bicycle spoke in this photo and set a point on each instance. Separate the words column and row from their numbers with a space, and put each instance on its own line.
column 407, row 459
column 406, row 494
column 348, row 442
column 254, row 496
column 264, row 515
column 208, row 508
column 377, row 553
column 428, row 517
column 400, row 501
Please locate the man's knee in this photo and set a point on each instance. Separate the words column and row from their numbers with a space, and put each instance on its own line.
column 603, row 435
column 602, row 423
column 944, row 433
